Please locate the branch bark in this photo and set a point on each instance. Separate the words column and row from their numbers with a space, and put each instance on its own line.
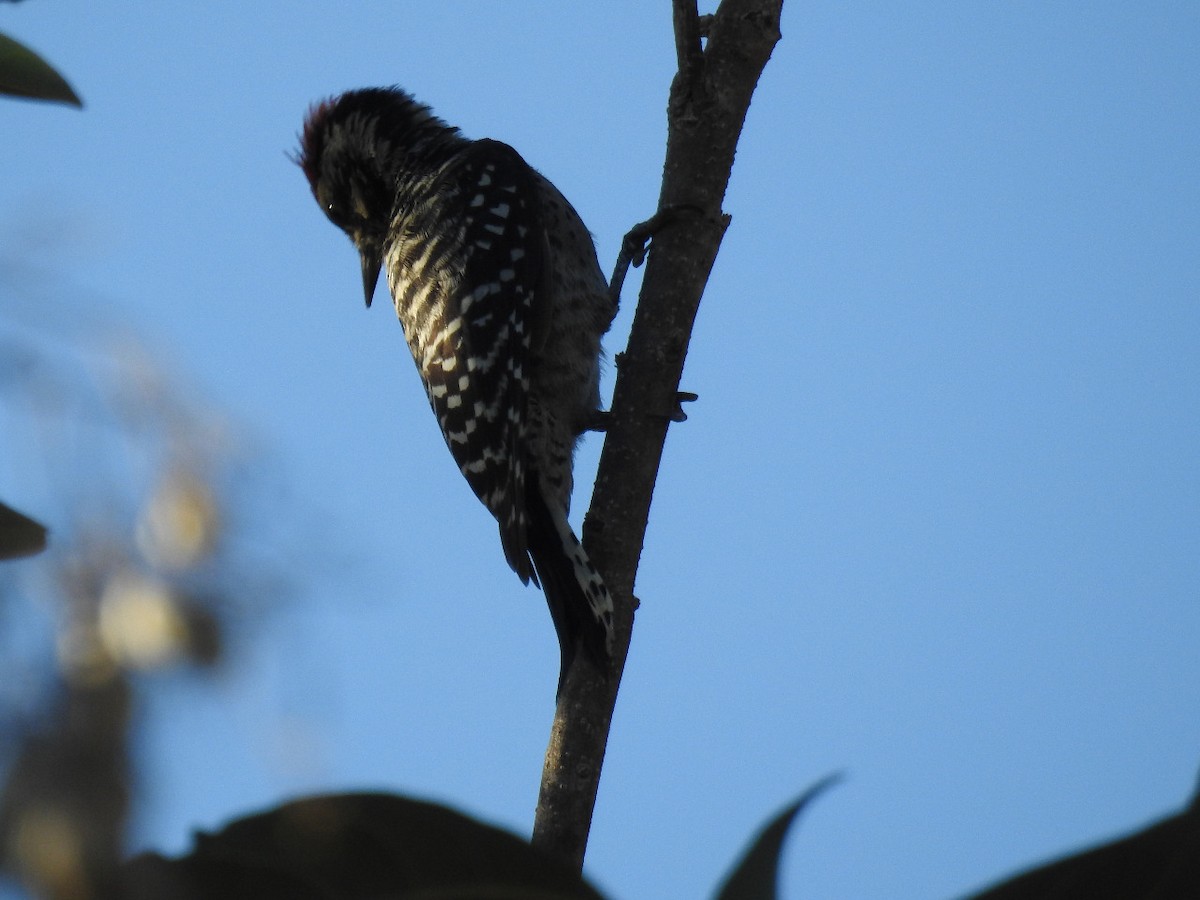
column 707, row 108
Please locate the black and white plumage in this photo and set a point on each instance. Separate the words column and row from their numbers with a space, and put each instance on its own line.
column 497, row 286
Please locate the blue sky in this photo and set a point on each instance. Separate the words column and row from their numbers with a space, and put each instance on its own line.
column 934, row 522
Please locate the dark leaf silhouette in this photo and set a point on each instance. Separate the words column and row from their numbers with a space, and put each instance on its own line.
column 756, row 876
column 1160, row 862
column 350, row 846
column 19, row 534
column 25, row 74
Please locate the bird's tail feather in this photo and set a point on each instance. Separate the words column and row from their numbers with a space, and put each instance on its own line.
column 579, row 601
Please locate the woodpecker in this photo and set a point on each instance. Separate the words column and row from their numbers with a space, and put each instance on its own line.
column 496, row 283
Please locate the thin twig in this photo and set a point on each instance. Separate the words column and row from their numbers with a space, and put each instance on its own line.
column 688, row 54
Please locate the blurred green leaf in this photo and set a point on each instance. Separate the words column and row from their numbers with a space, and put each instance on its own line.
column 756, row 876
column 356, row 847
column 25, row 74
column 19, row 535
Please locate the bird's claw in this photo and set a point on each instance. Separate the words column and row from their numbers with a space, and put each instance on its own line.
column 637, row 241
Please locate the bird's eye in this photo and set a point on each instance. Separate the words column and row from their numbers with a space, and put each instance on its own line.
column 338, row 215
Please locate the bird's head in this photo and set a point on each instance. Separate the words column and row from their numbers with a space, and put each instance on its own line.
column 357, row 151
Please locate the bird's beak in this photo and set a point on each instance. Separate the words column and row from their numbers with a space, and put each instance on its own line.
column 372, row 261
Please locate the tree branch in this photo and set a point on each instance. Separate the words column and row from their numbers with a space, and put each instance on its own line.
column 708, row 102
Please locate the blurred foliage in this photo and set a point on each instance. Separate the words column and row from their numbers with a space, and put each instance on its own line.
column 149, row 496
column 25, row 74
column 376, row 846
column 381, row 846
